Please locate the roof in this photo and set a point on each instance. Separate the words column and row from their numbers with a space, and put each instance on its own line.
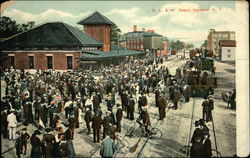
column 95, row 18
column 100, row 55
column 137, row 34
column 228, row 43
column 116, row 47
column 151, row 34
column 51, row 34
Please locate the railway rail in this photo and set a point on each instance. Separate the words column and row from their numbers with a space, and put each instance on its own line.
column 186, row 149
column 121, row 139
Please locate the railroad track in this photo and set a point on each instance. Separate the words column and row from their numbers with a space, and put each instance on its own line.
column 146, row 141
column 187, row 150
column 118, row 154
column 93, row 154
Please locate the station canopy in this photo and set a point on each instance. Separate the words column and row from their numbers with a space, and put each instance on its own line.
column 100, row 55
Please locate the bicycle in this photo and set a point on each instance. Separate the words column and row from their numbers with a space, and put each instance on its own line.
column 181, row 102
column 153, row 132
column 122, row 145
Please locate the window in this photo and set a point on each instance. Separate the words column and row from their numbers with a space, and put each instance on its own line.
column 31, row 62
column 50, row 62
column 69, row 62
column 12, row 61
column 229, row 56
column 229, row 50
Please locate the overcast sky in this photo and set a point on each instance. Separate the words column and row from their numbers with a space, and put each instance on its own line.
column 190, row 27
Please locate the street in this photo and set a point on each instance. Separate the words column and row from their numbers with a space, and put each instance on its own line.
column 176, row 128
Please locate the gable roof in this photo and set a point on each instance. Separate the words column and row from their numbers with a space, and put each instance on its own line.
column 51, row 34
column 95, row 18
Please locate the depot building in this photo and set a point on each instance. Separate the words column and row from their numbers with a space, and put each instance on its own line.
column 57, row 45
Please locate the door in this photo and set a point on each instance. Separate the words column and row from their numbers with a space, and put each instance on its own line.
column 50, row 62
column 31, row 62
column 69, row 62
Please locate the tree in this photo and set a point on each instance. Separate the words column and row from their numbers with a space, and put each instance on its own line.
column 177, row 45
column 9, row 27
column 204, row 44
column 115, row 34
column 190, row 45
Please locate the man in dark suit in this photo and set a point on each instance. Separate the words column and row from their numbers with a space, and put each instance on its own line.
column 157, row 94
column 96, row 101
column 119, row 115
column 162, row 106
column 88, row 118
column 107, row 123
column 205, row 110
column 144, row 100
column 96, row 125
column 131, row 108
column 124, row 100
column 211, row 107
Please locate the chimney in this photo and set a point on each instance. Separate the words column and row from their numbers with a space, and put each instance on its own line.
column 135, row 28
column 152, row 31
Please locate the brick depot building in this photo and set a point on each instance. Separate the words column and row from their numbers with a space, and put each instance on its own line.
column 57, row 45
column 135, row 40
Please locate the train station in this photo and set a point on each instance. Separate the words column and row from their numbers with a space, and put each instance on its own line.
column 93, row 84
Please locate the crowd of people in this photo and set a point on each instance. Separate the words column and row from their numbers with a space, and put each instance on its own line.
column 55, row 102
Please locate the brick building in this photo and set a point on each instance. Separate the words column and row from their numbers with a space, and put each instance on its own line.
column 214, row 38
column 57, row 45
column 136, row 40
column 53, row 45
column 99, row 27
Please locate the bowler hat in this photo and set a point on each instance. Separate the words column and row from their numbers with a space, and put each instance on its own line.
column 37, row 132
column 201, row 121
column 196, row 123
column 48, row 129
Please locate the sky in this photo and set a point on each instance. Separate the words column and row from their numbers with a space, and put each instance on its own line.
column 181, row 23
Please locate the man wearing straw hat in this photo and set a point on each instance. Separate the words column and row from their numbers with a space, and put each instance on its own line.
column 12, row 123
